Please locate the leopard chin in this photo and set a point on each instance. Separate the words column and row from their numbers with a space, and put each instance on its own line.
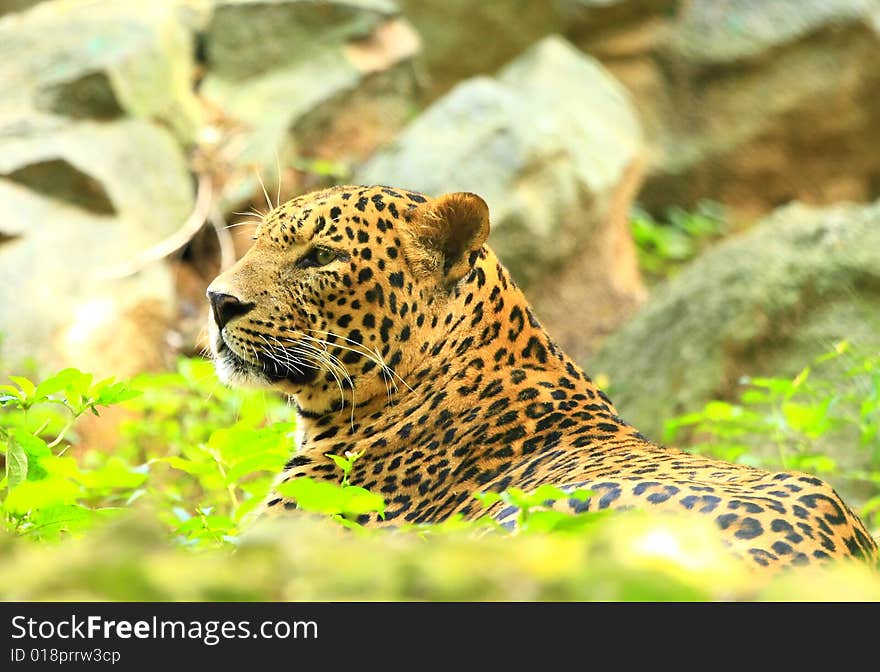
column 235, row 371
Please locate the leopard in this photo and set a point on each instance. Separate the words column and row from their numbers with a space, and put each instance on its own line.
column 400, row 338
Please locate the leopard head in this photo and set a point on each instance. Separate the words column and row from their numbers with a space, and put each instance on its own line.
column 342, row 292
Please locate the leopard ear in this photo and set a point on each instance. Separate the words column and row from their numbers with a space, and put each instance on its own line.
column 448, row 233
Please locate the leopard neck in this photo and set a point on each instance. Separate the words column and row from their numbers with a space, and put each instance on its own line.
column 488, row 339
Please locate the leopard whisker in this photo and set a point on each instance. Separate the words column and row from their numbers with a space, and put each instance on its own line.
column 372, row 353
column 323, row 356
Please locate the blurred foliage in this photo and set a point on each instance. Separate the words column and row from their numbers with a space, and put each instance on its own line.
column 664, row 245
column 183, row 422
column 165, row 516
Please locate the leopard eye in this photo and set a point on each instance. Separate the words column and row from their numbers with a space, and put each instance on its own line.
column 317, row 256
column 324, row 255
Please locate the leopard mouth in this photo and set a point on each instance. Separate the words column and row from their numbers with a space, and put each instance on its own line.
column 266, row 371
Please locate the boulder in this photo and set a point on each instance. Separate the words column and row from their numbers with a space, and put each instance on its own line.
column 772, row 98
column 129, row 168
column 245, row 38
column 463, row 38
column 305, row 83
column 77, row 200
column 629, row 37
column 765, row 303
column 753, row 103
column 553, row 145
column 103, row 61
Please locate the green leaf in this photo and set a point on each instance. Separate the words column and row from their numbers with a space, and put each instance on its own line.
column 35, row 451
column 329, row 498
column 581, row 495
column 27, row 387
column 77, row 388
column 814, row 463
column 720, row 410
column 754, row 397
column 61, row 467
column 236, row 443
column 812, row 420
column 342, row 462
column 57, row 383
column 487, row 499
column 254, row 463
column 548, row 493
column 113, row 394
column 16, row 463
column 557, row 521
column 30, row 495
column 246, row 507
column 114, row 474
column 360, row 500
column 780, row 386
column 50, row 523
column 189, row 466
column 15, row 395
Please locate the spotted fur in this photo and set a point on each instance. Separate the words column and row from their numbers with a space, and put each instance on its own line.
column 414, row 345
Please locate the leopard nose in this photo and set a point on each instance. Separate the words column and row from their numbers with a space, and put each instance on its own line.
column 226, row 306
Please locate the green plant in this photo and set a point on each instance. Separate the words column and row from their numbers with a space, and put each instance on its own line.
column 203, row 456
column 183, row 421
column 343, row 503
column 46, row 493
column 810, row 422
column 664, row 245
column 229, row 443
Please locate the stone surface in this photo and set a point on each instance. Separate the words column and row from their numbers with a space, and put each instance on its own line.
column 325, row 81
column 629, row 37
column 764, row 303
column 772, row 98
column 553, row 146
column 77, row 199
column 245, row 38
column 103, row 61
column 753, row 103
column 129, row 168
column 463, row 38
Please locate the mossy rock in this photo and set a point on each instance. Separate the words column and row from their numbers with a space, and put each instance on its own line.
column 764, row 303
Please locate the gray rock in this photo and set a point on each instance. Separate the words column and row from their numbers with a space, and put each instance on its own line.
column 753, row 103
column 714, row 33
column 771, row 98
column 545, row 143
column 463, row 38
column 553, row 146
column 245, row 38
column 764, row 303
column 129, row 168
column 103, row 61
column 77, row 199
column 299, row 80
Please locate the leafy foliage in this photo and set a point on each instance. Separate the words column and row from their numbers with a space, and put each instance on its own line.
column 177, row 422
column 810, row 422
column 47, row 492
column 664, row 245
column 191, row 460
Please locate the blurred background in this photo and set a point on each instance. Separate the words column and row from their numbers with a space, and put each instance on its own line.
column 685, row 189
